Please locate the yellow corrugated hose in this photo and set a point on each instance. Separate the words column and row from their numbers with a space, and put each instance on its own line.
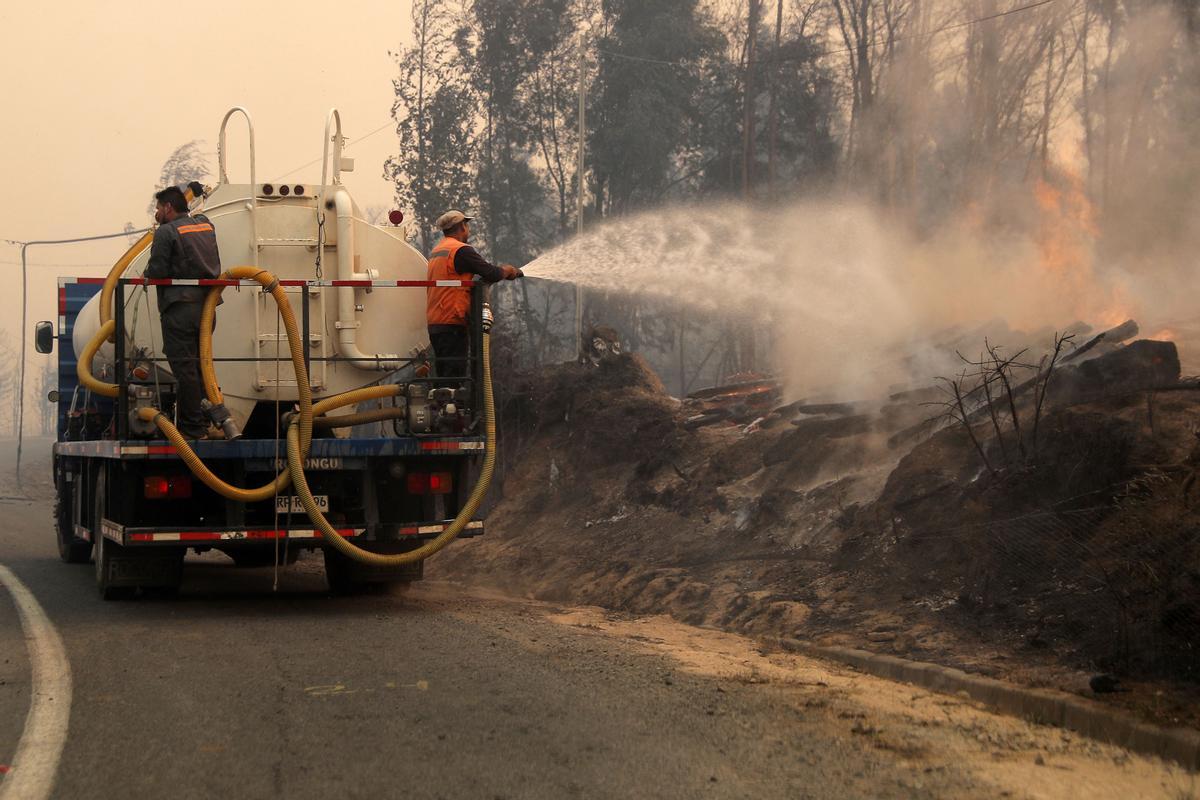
column 108, row 325
column 284, row 478
column 355, row 396
column 114, row 274
column 361, row 418
column 465, row 514
column 83, row 367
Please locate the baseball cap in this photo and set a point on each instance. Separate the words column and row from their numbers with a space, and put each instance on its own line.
column 450, row 219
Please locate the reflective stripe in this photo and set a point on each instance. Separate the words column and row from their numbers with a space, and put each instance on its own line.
column 451, row 444
column 461, row 282
column 217, row 536
column 448, row 301
column 419, row 530
column 199, row 227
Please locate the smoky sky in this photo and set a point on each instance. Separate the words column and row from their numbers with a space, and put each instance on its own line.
column 97, row 94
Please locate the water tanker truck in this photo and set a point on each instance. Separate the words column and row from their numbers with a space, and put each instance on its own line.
column 335, row 437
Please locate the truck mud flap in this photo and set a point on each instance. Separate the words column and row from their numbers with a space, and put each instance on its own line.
column 141, row 568
column 144, row 570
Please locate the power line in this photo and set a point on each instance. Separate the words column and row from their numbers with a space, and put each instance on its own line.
column 872, row 43
column 353, row 142
column 20, row 243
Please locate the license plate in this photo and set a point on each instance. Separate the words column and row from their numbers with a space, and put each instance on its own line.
column 291, row 503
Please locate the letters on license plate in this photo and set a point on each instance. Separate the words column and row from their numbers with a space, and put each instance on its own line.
column 286, row 503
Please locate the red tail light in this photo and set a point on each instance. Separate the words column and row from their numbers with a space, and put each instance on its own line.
column 430, row 483
column 158, row 487
column 440, row 483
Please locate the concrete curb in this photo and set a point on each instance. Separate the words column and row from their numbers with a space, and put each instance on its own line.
column 1042, row 706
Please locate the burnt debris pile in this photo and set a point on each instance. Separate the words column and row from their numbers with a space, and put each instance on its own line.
column 1037, row 507
column 1055, row 514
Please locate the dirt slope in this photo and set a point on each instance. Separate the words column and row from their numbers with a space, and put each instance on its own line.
column 1080, row 559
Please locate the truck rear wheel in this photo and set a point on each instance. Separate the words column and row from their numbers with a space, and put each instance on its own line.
column 341, row 574
column 71, row 549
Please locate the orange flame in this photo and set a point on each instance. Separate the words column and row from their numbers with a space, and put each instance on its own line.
column 1066, row 240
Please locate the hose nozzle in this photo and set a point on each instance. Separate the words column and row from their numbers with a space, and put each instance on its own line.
column 220, row 416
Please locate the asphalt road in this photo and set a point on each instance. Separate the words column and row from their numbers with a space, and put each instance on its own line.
column 237, row 690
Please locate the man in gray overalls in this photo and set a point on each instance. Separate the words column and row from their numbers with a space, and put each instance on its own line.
column 184, row 246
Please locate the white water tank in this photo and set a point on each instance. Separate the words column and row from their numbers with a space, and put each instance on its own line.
column 344, row 321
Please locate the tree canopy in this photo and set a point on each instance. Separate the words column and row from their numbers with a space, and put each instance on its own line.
column 925, row 107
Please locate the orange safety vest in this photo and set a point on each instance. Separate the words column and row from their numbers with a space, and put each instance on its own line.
column 446, row 305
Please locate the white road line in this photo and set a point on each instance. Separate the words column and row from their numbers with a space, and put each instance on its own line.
column 35, row 764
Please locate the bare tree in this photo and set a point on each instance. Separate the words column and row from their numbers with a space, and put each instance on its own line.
column 433, row 110
column 748, row 116
column 870, row 31
column 553, row 101
column 988, row 389
column 376, row 214
column 187, row 162
column 1013, row 80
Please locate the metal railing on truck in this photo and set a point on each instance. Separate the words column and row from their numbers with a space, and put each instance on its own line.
column 473, row 379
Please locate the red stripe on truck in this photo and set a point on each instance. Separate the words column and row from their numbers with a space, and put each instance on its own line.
column 234, row 536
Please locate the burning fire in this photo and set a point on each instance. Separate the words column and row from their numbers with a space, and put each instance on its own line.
column 1066, row 241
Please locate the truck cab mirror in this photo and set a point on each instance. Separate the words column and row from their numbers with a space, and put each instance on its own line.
column 43, row 337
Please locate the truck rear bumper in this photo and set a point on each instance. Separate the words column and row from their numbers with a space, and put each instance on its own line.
column 199, row 537
column 325, row 454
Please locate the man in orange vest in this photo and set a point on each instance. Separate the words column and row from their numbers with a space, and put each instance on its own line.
column 447, row 307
